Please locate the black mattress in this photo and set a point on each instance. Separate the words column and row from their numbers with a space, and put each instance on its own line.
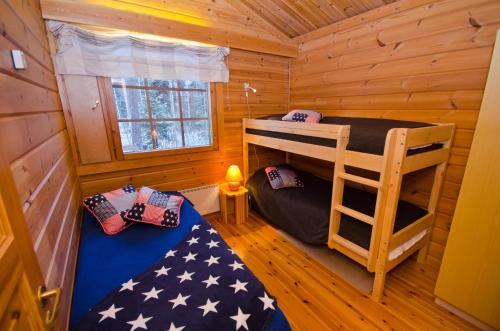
column 305, row 212
column 367, row 134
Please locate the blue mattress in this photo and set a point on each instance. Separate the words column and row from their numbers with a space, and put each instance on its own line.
column 105, row 262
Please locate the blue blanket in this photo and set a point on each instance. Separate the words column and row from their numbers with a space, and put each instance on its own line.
column 107, row 262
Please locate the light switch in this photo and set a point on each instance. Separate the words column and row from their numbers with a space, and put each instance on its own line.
column 19, row 60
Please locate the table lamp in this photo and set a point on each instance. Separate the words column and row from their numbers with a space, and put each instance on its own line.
column 233, row 177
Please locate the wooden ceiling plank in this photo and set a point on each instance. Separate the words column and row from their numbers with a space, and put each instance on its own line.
column 289, row 7
column 269, row 15
column 85, row 13
column 371, row 15
column 351, row 8
column 294, row 18
column 332, row 10
column 281, row 12
column 310, row 10
column 254, row 16
column 372, row 4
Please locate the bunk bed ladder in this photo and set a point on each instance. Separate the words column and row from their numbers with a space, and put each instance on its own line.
column 340, row 176
column 335, row 240
column 382, row 221
column 365, row 257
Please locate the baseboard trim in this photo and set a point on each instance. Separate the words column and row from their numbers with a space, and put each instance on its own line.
column 469, row 318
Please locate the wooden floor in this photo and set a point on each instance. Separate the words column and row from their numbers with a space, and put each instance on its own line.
column 314, row 298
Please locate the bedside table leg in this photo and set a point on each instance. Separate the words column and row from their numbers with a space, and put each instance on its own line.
column 246, row 205
column 223, row 206
column 240, row 210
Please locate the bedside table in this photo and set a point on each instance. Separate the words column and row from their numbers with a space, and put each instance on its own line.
column 240, row 203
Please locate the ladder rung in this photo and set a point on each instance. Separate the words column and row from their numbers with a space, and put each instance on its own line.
column 358, row 179
column 356, row 214
column 350, row 245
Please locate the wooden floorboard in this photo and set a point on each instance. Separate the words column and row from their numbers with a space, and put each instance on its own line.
column 314, row 298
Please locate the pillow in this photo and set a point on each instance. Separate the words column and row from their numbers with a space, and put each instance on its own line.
column 154, row 207
column 110, row 208
column 280, row 177
column 302, row 115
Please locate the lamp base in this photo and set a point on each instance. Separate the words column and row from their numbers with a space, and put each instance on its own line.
column 233, row 186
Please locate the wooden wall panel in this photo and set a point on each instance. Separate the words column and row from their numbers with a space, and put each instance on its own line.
column 267, row 73
column 213, row 22
column 34, row 136
column 422, row 63
column 87, row 118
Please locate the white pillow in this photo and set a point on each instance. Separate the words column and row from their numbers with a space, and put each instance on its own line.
column 302, row 115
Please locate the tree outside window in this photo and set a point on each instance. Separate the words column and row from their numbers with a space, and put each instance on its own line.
column 162, row 114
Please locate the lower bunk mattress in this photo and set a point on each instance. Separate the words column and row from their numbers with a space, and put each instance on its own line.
column 304, row 212
column 150, row 260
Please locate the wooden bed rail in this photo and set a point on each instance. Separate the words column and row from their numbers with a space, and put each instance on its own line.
column 441, row 133
column 429, row 135
column 408, row 232
column 300, row 128
column 335, row 132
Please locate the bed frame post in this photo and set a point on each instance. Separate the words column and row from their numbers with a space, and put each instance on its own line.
column 434, row 198
column 245, row 154
column 338, row 183
column 378, row 217
column 398, row 147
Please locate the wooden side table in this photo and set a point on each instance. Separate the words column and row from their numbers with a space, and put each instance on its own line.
column 240, row 203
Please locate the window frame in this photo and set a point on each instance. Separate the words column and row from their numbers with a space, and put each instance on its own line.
column 115, row 131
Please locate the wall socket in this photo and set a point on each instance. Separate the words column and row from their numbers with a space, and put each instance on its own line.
column 19, row 60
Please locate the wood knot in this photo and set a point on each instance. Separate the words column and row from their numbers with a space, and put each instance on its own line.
column 380, row 43
column 474, row 22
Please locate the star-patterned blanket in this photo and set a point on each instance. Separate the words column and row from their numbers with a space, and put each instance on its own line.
column 200, row 284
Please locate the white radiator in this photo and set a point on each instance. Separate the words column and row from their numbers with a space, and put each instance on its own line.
column 204, row 198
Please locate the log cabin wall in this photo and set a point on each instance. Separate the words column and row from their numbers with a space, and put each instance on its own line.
column 33, row 136
column 221, row 22
column 267, row 73
column 423, row 63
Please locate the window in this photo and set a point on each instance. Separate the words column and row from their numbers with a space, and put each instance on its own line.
column 162, row 114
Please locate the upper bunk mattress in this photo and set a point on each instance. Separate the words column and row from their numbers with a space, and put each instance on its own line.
column 367, row 135
column 304, row 212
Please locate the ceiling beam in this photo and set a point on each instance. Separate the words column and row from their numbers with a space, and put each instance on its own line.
column 117, row 15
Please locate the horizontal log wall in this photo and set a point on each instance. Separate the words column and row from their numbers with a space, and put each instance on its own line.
column 34, row 137
column 427, row 63
column 206, row 21
column 267, row 73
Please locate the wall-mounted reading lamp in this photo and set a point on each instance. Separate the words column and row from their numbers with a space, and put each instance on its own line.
column 247, row 87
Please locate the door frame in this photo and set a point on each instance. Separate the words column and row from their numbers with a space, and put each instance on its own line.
column 16, row 247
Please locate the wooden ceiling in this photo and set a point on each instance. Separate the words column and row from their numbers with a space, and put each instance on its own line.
column 297, row 17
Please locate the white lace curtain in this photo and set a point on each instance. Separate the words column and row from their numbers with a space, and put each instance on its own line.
column 109, row 53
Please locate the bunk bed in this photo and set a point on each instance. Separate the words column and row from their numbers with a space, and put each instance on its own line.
column 387, row 147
